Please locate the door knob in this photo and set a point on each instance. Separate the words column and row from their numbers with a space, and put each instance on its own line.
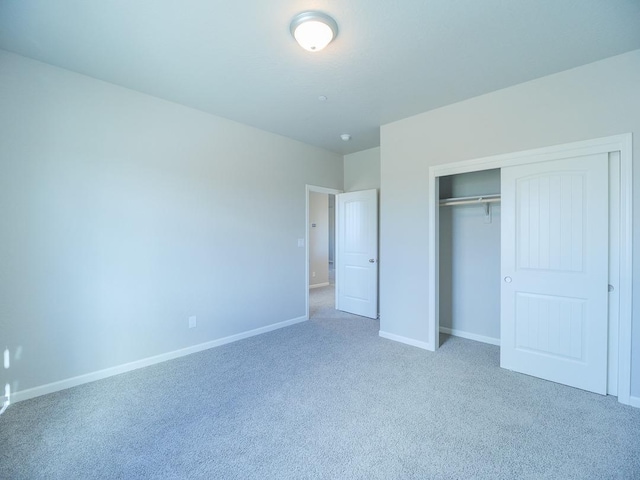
column 371, row 260
column 507, row 279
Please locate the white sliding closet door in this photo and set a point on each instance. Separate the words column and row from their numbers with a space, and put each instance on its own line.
column 555, row 271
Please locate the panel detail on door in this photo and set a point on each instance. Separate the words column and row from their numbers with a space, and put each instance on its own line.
column 357, row 277
column 550, row 212
column 551, row 325
column 554, row 266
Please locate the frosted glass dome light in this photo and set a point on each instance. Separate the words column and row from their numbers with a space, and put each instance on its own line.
column 313, row 30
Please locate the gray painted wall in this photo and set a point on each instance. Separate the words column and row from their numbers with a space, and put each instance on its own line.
column 596, row 100
column 362, row 170
column 318, row 238
column 123, row 215
column 470, row 257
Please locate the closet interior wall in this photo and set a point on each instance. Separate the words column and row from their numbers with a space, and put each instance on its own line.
column 469, row 248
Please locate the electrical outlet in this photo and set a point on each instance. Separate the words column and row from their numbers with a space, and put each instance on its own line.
column 192, row 322
column 313, row 274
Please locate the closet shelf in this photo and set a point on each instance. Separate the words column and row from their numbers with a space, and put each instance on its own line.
column 479, row 199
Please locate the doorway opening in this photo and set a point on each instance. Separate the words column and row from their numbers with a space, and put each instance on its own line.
column 322, row 273
column 353, row 282
column 320, row 251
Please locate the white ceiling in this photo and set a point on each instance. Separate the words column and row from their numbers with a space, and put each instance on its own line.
column 391, row 59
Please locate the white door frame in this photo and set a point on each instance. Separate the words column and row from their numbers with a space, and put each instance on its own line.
column 308, row 189
column 617, row 143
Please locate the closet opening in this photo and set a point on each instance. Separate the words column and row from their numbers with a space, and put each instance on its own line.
column 469, row 267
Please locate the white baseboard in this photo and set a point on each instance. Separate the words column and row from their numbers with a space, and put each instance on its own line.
column 145, row 362
column 406, row 340
column 470, row 336
column 634, row 401
column 318, row 285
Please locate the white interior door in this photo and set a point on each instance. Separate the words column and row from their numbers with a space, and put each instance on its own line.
column 357, row 253
column 555, row 271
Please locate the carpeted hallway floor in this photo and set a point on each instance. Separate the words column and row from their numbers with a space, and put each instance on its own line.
column 327, row 398
column 322, row 303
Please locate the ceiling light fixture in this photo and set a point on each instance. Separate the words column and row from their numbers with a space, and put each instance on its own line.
column 345, row 137
column 313, row 30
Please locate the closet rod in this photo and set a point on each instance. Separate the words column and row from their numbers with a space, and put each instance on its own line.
column 469, row 200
